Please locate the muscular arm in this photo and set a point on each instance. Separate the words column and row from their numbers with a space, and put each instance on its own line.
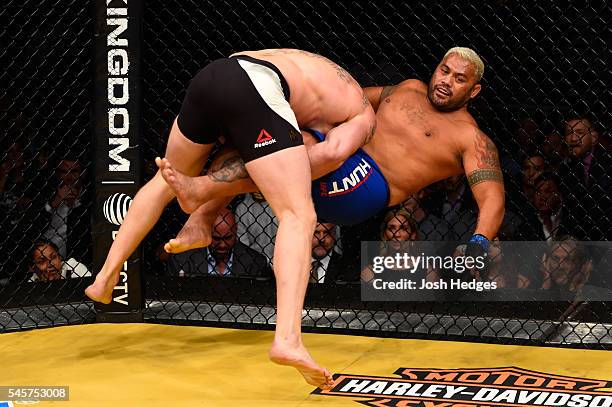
column 481, row 165
column 376, row 94
column 342, row 141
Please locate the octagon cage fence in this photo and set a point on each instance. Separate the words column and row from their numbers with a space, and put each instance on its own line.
column 90, row 90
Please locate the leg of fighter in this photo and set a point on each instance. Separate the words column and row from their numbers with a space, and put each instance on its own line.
column 144, row 212
column 197, row 231
column 227, row 177
column 284, row 179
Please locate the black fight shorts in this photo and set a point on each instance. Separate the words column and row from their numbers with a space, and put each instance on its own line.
column 244, row 99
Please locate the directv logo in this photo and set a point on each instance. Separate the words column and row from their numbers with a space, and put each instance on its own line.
column 115, row 208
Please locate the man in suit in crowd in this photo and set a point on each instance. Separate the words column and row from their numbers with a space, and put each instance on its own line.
column 225, row 257
column 586, row 179
column 327, row 264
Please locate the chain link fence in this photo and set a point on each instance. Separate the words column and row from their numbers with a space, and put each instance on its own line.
column 544, row 98
column 45, row 180
column 544, row 65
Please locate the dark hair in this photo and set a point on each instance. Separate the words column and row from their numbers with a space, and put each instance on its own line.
column 530, row 153
column 41, row 243
column 580, row 116
column 547, row 176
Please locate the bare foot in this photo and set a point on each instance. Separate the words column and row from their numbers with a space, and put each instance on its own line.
column 184, row 186
column 299, row 358
column 102, row 288
column 191, row 236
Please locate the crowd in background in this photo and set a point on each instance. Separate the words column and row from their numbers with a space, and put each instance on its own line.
column 558, row 190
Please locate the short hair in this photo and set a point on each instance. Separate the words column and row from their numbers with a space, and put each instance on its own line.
column 547, row 176
column 469, row 55
column 559, row 241
column 334, row 228
column 581, row 117
column 532, row 153
column 40, row 243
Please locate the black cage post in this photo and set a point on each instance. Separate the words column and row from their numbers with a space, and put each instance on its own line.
column 117, row 139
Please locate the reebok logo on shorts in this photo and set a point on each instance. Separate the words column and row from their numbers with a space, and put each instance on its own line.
column 264, row 139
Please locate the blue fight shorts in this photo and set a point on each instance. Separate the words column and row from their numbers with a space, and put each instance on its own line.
column 351, row 194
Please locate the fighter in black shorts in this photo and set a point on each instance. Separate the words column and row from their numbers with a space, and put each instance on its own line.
column 256, row 100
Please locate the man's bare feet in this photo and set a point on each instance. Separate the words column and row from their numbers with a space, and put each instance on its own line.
column 184, row 186
column 102, row 288
column 299, row 358
column 191, row 236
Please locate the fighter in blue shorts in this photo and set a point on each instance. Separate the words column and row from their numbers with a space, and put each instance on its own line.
column 351, row 194
column 424, row 134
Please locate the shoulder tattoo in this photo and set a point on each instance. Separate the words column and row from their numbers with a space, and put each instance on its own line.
column 488, row 161
column 486, row 152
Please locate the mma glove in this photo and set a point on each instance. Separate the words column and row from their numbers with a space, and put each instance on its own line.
column 477, row 246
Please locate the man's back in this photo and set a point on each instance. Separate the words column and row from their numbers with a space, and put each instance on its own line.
column 416, row 145
column 323, row 94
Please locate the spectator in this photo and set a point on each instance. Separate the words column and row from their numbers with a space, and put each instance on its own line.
column 587, row 178
column 582, row 140
column 520, row 219
column 532, row 167
column 67, row 216
column 47, row 264
column 525, row 137
column 397, row 227
column 327, row 263
column 257, row 224
column 565, row 266
column 548, row 202
column 224, row 257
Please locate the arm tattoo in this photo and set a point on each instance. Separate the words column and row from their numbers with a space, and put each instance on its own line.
column 478, row 176
column 386, row 92
column 232, row 169
column 366, row 102
column 486, row 152
column 488, row 161
column 343, row 73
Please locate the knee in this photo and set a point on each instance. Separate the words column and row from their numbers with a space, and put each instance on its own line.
column 305, row 218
